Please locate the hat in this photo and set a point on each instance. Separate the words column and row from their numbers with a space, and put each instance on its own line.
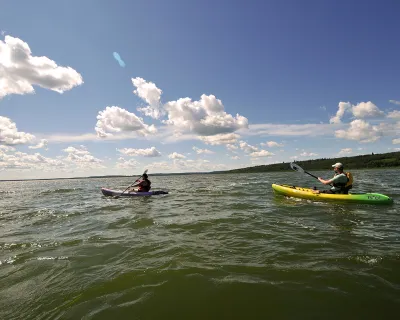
column 337, row 165
column 144, row 175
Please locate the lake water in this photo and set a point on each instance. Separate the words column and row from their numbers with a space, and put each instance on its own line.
column 217, row 247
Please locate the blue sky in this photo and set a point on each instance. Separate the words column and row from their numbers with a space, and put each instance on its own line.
column 204, row 85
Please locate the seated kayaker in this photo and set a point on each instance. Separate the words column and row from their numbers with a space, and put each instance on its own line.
column 341, row 182
column 144, row 184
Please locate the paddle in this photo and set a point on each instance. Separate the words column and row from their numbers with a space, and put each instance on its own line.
column 297, row 168
column 116, row 197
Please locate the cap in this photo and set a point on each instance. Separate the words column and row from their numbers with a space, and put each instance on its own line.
column 337, row 165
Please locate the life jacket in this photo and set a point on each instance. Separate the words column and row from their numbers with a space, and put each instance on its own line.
column 145, row 188
column 345, row 187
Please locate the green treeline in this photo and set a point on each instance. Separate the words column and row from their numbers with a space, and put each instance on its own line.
column 383, row 160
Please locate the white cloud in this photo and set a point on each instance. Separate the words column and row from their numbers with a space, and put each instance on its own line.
column 86, row 159
column 126, row 164
column 361, row 131
column 396, row 141
column 176, row 155
column 218, row 139
column 235, row 158
column 272, row 144
column 81, row 151
column 115, row 120
column 345, row 151
column 342, row 108
column 82, row 157
column 149, row 92
column 42, row 144
column 24, row 161
column 247, row 147
column 20, row 71
column 309, row 129
column 394, row 102
column 202, row 151
column 394, row 114
column 4, row 148
column 149, row 152
column 205, row 117
column 10, row 135
column 308, row 154
column 366, row 109
column 232, row 147
column 261, row 153
column 361, row 110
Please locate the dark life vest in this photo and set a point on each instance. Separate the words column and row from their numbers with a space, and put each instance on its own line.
column 145, row 188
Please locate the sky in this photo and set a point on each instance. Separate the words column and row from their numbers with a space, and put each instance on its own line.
column 116, row 87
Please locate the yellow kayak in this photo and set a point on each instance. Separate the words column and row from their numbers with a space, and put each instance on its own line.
column 306, row 193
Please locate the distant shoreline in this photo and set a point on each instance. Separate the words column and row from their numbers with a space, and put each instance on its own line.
column 390, row 160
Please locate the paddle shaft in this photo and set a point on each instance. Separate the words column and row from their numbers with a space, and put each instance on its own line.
column 300, row 169
column 311, row 175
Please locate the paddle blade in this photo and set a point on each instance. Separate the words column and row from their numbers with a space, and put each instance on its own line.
column 296, row 167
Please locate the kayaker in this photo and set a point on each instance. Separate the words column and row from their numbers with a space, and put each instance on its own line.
column 339, row 182
column 144, row 184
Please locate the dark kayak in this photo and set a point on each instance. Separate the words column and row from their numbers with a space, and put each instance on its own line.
column 109, row 192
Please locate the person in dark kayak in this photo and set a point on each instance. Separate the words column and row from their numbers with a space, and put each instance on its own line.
column 144, row 184
column 341, row 182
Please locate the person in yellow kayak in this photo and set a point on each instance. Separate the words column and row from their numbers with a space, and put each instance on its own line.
column 341, row 182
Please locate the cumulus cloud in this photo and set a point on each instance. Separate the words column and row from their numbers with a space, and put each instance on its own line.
column 394, row 102
column 342, row 108
column 247, row 147
column 21, row 160
column 361, row 131
column 9, row 134
column 202, row 151
column 20, row 70
column 361, row 110
column 42, row 144
column 219, row 139
column 205, row 117
column 149, row 92
column 272, row 144
column 176, row 155
column 116, row 120
column 126, row 164
column 345, row 151
column 4, row 148
column 308, row 154
column 366, row 109
column 394, row 114
column 235, row 158
column 261, row 153
column 182, row 165
column 82, row 157
column 396, row 141
column 149, row 152
column 232, row 147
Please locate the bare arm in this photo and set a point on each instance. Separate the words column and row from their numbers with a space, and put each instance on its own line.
column 324, row 181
